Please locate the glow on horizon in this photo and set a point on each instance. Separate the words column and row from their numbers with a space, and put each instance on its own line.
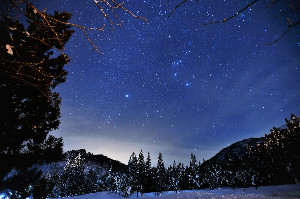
column 121, row 149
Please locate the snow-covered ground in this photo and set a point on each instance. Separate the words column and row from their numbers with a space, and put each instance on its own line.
column 266, row 192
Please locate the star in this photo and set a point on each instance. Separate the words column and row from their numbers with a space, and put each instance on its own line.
column 154, row 74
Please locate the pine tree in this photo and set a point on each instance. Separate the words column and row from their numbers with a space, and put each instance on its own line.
column 272, row 161
column 73, row 177
column 91, row 182
column 141, row 173
column 148, row 175
column 160, row 175
column 124, row 185
column 192, row 173
column 293, row 144
column 276, row 159
column 29, row 108
column 133, row 172
column 113, row 181
column 174, row 177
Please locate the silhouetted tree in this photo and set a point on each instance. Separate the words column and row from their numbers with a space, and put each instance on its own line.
column 148, row 175
column 174, row 176
column 160, row 175
column 276, row 160
column 133, row 172
column 29, row 71
column 109, row 9
column 73, row 178
column 193, row 173
column 141, row 173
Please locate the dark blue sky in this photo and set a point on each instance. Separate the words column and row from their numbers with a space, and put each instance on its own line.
column 173, row 85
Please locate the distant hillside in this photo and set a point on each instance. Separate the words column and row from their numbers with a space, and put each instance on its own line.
column 98, row 163
column 99, row 160
column 270, row 160
column 105, row 161
column 237, row 149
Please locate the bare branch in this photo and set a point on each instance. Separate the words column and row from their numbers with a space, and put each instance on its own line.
column 289, row 28
column 49, row 21
column 43, row 15
column 291, row 24
column 287, row 12
column 273, row 42
column 272, row 3
column 95, row 47
column 128, row 11
column 178, row 6
column 239, row 12
column 106, row 16
column 83, row 28
column 27, row 82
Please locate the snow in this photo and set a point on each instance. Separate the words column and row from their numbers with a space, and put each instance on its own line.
column 266, row 192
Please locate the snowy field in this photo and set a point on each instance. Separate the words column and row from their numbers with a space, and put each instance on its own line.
column 267, row 192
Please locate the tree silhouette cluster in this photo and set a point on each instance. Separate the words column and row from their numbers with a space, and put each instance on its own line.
column 271, row 160
column 32, row 61
column 29, row 71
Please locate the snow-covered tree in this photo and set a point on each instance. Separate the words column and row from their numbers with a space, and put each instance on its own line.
column 133, row 172
column 91, row 182
column 113, row 181
column 173, row 177
column 73, row 177
column 276, row 159
column 193, row 173
column 183, row 180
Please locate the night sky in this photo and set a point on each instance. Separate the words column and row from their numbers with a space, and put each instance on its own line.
column 173, row 85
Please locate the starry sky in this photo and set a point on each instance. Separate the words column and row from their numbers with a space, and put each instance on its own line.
column 174, row 85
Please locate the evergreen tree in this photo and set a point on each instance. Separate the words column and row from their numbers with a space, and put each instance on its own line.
column 91, row 182
column 141, row 173
column 293, row 144
column 160, row 184
column 181, row 172
column 133, row 173
column 276, row 160
column 73, row 177
column 174, row 177
column 148, row 162
column 113, row 181
column 192, row 173
column 124, row 185
column 148, row 175
column 29, row 108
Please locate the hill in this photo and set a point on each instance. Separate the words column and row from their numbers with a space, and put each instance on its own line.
column 234, row 151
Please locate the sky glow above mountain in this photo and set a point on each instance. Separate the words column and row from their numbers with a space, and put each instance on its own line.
column 174, row 85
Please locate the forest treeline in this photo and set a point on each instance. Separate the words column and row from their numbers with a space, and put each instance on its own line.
column 271, row 160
